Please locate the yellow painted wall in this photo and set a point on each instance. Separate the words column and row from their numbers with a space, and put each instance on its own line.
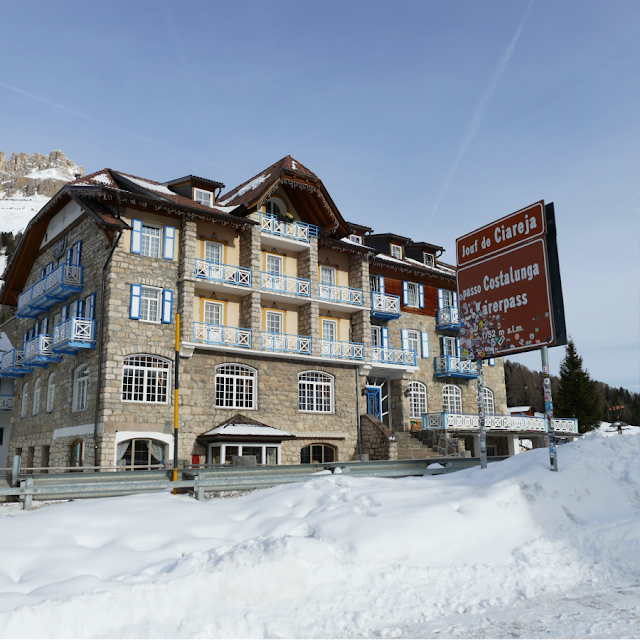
column 290, row 261
column 152, row 218
column 290, row 317
column 231, row 304
column 224, row 235
column 335, row 259
column 344, row 322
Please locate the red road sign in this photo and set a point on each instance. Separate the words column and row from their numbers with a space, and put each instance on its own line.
column 512, row 230
column 505, row 298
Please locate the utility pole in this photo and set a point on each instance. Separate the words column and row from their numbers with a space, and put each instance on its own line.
column 548, row 408
column 176, row 402
column 481, row 426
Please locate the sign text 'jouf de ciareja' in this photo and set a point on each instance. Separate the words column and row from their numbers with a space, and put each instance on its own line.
column 503, row 286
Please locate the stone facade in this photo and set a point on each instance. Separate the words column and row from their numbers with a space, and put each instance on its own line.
column 377, row 440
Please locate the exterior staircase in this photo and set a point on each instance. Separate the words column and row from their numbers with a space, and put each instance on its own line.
column 410, row 447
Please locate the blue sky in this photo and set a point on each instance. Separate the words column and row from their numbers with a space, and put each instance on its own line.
column 428, row 118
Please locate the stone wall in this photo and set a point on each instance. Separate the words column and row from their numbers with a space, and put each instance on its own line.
column 377, row 440
column 441, row 442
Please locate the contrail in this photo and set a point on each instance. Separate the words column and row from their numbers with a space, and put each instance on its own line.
column 83, row 115
column 480, row 111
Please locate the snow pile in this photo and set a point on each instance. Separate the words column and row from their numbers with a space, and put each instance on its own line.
column 250, row 186
column 332, row 557
column 607, row 430
column 16, row 213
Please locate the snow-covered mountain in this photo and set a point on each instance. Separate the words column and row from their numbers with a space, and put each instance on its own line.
column 28, row 182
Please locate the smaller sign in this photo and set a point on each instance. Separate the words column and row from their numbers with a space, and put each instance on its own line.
column 59, row 247
column 513, row 230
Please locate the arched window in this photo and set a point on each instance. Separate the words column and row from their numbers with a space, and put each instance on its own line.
column 37, row 392
column 76, row 453
column 80, row 388
column 451, row 399
column 275, row 206
column 51, row 392
column 236, row 386
column 417, row 399
column 141, row 452
column 317, row 454
column 25, row 401
column 145, row 379
column 489, row 405
column 315, row 391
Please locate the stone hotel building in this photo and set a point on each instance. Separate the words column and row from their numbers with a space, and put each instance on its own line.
column 303, row 337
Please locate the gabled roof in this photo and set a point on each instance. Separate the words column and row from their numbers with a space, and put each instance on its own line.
column 243, row 426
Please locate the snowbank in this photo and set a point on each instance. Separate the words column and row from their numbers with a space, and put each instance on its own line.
column 333, row 557
column 16, row 213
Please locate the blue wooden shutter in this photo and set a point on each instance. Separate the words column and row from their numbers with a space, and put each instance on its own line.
column 25, row 339
column 44, row 328
column 69, row 255
column 458, row 347
column 169, row 242
column 455, row 299
column 405, row 293
column 443, row 344
column 92, row 307
column 49, row 268
column 381, row 284
column 42, row 273
column 421, row 296
column 74, row 309
column 440, row 299
column 167, row 306
column 77, row 253
column 134, row 304
column 136, row 236
column 385, row 337
column 63, row 313
column 425, row 344
column 492, row 362
column 80, row 309
column 405, row 338
column 36, row 329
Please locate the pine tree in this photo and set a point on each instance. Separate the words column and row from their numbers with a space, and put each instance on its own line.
column 577, row 395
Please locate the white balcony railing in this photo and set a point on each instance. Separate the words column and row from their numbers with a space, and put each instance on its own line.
column 335, row 293
column 386, row 355
column 294, row 230
column 82, row 330
column 221, row 335
column 219, row 272
column 285, row 284
column 448, row 317
column 63, row 277
column 38, row 347
column 12, row 360
column 338, row 349
column 384, row 303
column 455, row 367
column 470, row 422
column 286, row 343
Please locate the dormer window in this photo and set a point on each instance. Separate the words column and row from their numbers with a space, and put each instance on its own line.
column 396, row 251
column 429, row 259
column 355, row 238
column 203, row 197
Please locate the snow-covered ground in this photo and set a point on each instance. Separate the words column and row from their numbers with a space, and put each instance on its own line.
column 16, row 212
column 513, row 551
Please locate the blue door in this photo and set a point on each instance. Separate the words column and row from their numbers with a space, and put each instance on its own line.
column 373, row 401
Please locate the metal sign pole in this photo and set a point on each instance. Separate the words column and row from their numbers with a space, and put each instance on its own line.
column 481, row 426
column 176, row 403
column 548, row 409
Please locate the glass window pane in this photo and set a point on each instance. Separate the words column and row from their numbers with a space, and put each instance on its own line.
column 230, row 451
column 215, row 455
column 213, row 251
column 253, row 451
column 272, row 455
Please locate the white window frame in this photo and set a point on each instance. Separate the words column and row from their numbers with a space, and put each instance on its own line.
column 80, row 388
column 223, row 450
column 355, row 238
column 237, row 392
column 317, row 389
column 396, row 251
column 279, row 260
column 158, row 293
column 374, row 284
column 37, row 396
column 447, row 298
column 416, row 337
column 271, row 313
column 218, row 305
column 334, row 324
column 449, row 346
column 413, row 290
column 141, row 376
column 489, row 402
column 377, row 332
column 278, row 203
column 333, row 277
column 51, row 392
column 149, row 225
column 451, row 398
column 417, row 399
column 25, row 401
column 217, row 245
column 197, row 196
column 429, row 259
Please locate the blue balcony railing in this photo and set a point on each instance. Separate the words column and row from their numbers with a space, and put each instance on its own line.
column 448, row 318
column 286, row 343
column 343, row 350
column 12, row 364
column 218, row 272
column 455, row 367
column 74, row 334
column 38, row 353
column 335, row 293
column 217, row 334
column 470, row 422
column 54, row 287
column 407, row 357
column 285, row 284
column 294, row 230
column 385, row 306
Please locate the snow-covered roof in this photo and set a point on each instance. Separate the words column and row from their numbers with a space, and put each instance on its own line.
column 247, row 430
column 518, row 409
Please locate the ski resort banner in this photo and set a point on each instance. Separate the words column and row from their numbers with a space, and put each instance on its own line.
column 504, row 285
